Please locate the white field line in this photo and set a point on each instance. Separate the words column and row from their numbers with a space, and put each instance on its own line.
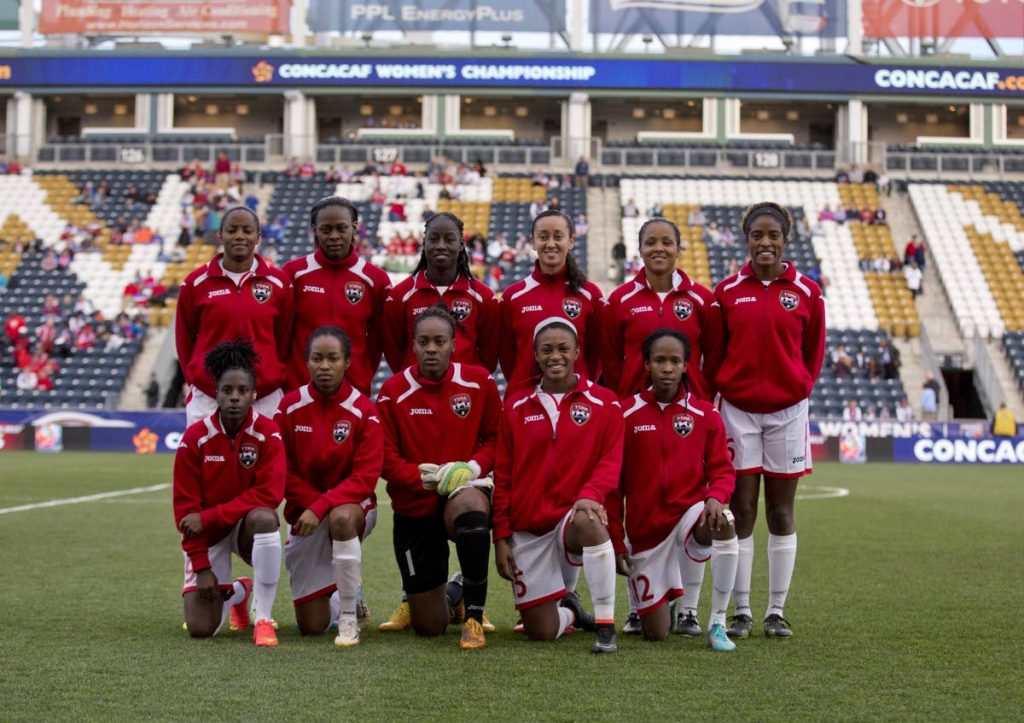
column 86, row 498
column 821, row 492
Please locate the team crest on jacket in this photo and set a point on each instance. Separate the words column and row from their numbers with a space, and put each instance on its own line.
column 572, row 307
column 461, row 404
column 460, row 309
column 683, row 424
column 247, row 454
column 354, row 292
column 261, row 290
column 789, row 300
column 579, row 413
column 682, row 308
column 341, row 430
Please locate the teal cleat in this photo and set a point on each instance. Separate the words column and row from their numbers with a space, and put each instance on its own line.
column 718, row 640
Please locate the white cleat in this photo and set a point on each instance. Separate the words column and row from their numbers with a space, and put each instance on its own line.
column 348, row 633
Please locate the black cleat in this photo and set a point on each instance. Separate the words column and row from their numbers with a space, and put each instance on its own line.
column 740, row 626
column 776, row 626
column 605, row 641
column 686, row 624
column 584, row 620
column 632, row 626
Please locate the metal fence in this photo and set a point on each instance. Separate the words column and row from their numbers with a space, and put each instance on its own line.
column 385, row 152
column 986, row 379
column 724, row 159
column 144, row 152
column 952, row 163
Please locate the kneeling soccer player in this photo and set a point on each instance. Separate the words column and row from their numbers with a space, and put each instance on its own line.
column 335, row 447
column 440, row 424
column 559, row 456
column 229, row 475
column 676, row 479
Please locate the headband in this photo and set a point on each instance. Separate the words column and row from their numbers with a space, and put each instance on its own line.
column 769, row 211
column 551, row 321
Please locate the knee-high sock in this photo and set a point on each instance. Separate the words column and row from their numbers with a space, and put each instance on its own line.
column 237, row 596
column 473, row 547
column 693, row 578
column 724, row 560
column 347, row 559
column 266, row 569
column 631, row 597
column 745, row 564
column 781, row 558
column 599, row 567
column 565, row 619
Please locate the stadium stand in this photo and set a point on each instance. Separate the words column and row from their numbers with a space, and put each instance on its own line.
column 1013, row 345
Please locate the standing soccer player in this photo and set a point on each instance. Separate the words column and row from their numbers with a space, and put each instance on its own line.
column 676, row 479
column 335, row 448
column 559, row 457
column 556, row 288
column 774, row 327
column 662, row 297
column 443, row 277
column 335, row 286
column 440, row 423
column 229, row 474
column 237, row 294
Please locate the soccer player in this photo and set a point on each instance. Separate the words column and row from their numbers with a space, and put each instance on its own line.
column 236, row 294
column 556, row 288
column 229, row 477
column 443, row 277
column 559, row 456
column 335, row 448
column 335, row 286
column 676, row 480
column 440, row 423
column 771, row 308
column 661, row 296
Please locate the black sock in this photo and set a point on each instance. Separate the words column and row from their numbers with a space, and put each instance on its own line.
column 473, row 546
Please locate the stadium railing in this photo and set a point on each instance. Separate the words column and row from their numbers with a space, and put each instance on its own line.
column 386, row 151
column 986, row 378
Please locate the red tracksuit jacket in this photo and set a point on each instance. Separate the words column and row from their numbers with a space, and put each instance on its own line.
column 634, row 311
column 774, row 340
column 334, row 447
column 528, row 302
column 349, row 294
column 211, row 310
column 453, row 420
column 543, row 468
column 224, row 479
column 673, row 458
column 472, row 304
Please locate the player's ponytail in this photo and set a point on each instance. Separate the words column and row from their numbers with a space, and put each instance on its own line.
column 228, row 355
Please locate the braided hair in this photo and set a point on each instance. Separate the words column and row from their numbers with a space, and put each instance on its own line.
column 575, row 277
column 462, row 262
column 229, row 355
column 671, row 334
column 767, row 208
column 332, row 201
column 436, row 311
column 246, row 209
column 332, row 331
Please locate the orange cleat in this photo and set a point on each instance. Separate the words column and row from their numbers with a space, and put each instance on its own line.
column 264, row 634
column 472, row 635
column 238, row 616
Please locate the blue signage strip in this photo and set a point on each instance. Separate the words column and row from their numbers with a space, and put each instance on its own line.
column 509, row 16
column 985, row 450
column 834, row 78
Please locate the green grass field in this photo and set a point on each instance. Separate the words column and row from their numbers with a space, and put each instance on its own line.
column 906, row 605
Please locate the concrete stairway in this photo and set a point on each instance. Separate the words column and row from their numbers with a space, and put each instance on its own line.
column 133, row 395
column 605, row 220
column 1007, row 380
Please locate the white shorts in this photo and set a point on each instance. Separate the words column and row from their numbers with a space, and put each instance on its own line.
column 220, row 561
column 308, row 559
column 658, row 578
column 200, row 404
column 548, row 570
column 776, row 444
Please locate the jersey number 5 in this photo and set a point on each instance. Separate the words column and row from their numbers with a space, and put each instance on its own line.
column 519, row 585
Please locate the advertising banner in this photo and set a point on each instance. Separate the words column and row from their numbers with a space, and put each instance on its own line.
column 119, row 17
column 837, row 78
column 943, row 18
column 511, row 16
column 822, row 18
column 960, row 450
column 99, row 430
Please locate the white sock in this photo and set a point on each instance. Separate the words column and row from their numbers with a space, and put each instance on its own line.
column 266, row 569
column 571, row 577
column 565, row 619
column 693, row 577
column 599, row 567
column 631, row 597
column 781, row 558
column 237, row 596
column 346, row 558
column 724, row 560
column 335, row 605
column 744, row 566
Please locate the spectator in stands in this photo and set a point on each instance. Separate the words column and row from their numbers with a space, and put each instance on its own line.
column 655, row 210
column 870, row 176
column 841, row 362
column 867, row 216
column 839, row 215
column 728, row 237
column 222, row 169
column 910, row 252
column 83, row 306
column 884, row 413
column 581, row 225
column 50, row 261
column 13, row 326
column 696, row 217
column 333, row 175
column 884, row 184
column 856, row 174
column 46, row 333
column 14, row 167
column 396, row 211
column 914, row 276
column 842, row 176
column 194, row 171
column 881, row 265
column 308, row 169
column 294, row 168
column 555, row 204
column 880, row 217
column 919, row 256
column 929, row 397
column 1004, row 424
column 427, row 213
column 397, row 168
column 582, row 173
column 3, row 281
column 852, row 412
column 538, row 207
column 51, row 307
column 874, row 368
column 815, row 274
column 904, row 412
column 630, row 210
column 4, row 165
column 826, row 214
column 870, row 414
column 539, row 178
column 890, row 359
column 712, row 234
column 27, row 379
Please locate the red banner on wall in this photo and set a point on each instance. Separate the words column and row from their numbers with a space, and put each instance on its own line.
column 944, row 18
column 258, row 17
